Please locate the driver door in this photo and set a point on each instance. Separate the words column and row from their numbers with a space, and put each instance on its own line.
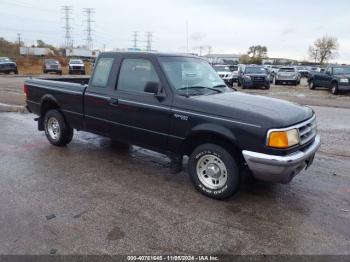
column 139, row 117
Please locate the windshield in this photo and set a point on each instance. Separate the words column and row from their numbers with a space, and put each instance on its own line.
column 288, row 70
column 188, row 74
column 76, row 62
column 51, row 62
column 255, row 70
column 222, row 69
column 301, row 68
column 341, row 70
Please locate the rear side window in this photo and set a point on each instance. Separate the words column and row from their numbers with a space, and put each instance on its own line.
column 102, row 71
column 135, row 74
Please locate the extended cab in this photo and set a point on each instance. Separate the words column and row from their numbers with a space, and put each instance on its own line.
column 335, row 78
column 179, row 106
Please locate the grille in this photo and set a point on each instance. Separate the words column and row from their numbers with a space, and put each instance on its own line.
column 7, row 66
column 307, row 130
column 258, row 78
column 77, row 67
column 222, row 75
column 53, row 66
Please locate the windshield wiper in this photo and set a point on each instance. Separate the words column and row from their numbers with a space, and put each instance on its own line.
column 204, row 87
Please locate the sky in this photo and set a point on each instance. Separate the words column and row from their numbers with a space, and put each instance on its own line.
column 286, row 27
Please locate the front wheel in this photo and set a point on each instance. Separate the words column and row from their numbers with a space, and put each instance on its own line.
column 312, row 85
column 213, row 171
column 57, row 131
column 334, row 89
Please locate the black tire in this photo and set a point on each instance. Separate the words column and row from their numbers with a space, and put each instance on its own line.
column 267, row 86
column 334, row 89
column 311, row 85
column 238, row 83
column 65, row 132
column 219, row 156
column 45, row 72
column 16, row 72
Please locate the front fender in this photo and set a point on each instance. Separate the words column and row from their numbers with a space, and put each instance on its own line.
column 214, row 129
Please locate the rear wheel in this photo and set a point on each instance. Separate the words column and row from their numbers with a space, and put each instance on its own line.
column 57, row 131
column 213, row 171
column 334, row 89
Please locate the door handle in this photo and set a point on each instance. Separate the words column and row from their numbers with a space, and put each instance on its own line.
column 113, row 102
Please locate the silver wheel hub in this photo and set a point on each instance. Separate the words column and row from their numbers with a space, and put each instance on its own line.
column 211, row 171
column 53, row 128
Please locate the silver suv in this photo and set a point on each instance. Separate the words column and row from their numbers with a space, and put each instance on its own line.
column 286, row 75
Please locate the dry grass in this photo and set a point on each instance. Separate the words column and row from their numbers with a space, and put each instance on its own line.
column 31, row 65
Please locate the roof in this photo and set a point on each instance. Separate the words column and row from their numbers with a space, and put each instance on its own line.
column 150, row 54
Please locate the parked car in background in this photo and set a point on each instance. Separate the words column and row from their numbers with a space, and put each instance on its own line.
column 253, row 76
column 179, row 106
column 76, row 66
column 7, row 66
column 303, row 71
column 234, row 70
column 52, row 66
column 287, row 75
column 335, row 78
column 225, row 74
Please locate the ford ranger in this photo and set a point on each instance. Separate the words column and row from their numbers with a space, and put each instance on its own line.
column 179, row 106
column 335, row 78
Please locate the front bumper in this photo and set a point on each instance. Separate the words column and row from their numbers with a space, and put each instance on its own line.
column 281, row 169
column 344, row 87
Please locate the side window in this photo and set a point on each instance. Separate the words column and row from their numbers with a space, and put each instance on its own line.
column 135, row 74
column 329, row 70
column 102, row 71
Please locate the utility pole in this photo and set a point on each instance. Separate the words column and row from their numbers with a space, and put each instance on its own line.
column 19, row 43
column 68, row 38
column 89, row 13
column 135, row 39
column 149, row 41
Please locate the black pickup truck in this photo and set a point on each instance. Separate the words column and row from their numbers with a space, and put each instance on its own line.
column 179, row 106
column 335, row 78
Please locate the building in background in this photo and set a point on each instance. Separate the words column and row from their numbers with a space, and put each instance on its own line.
column 229, row 59
column 36, row 51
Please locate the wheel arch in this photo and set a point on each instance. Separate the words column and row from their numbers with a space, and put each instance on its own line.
column 47, row 103
column 215, row 134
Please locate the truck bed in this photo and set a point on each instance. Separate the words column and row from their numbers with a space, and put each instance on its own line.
column 67, row 93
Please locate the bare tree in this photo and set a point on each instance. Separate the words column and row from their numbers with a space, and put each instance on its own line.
column 257, row 53
column 324, row 49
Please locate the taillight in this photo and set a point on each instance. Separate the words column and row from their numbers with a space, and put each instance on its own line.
column 25, row 90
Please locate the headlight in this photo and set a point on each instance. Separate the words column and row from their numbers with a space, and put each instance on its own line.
column 283, row 139
column 248, row 77
column 344, row 80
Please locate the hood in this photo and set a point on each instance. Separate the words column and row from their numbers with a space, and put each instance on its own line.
column 258, row 110
column 343, row 76
column 7, row 63
column 224, row 73
column 255, row 75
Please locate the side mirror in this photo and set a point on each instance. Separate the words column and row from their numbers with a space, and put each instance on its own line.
column 328, row 73
column 155, row 88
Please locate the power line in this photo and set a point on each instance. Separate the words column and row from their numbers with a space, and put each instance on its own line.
column 89, row 13
column 68, row 38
